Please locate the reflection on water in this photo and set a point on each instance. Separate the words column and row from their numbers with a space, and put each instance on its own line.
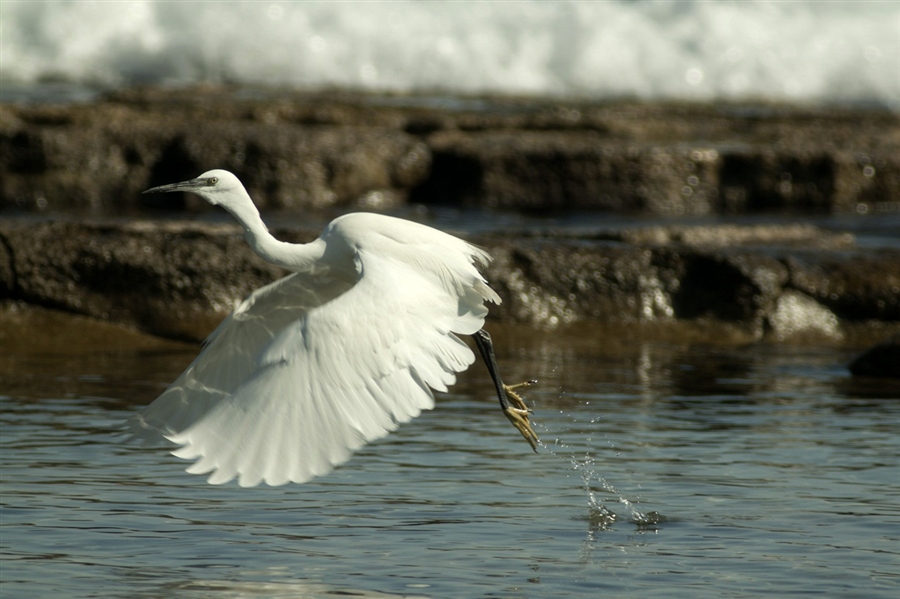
column 666, row 470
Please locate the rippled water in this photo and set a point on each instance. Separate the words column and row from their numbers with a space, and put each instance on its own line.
column 668, row 470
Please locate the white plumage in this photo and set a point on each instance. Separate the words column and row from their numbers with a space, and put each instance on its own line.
column 338, row 353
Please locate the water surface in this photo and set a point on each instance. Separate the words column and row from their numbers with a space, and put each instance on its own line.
column 669, row 470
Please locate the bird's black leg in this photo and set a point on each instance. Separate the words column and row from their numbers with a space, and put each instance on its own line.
column 486, row 347
column 513, row 406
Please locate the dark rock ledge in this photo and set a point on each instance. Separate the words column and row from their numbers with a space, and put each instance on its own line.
column 296, row 150
column 790, row 283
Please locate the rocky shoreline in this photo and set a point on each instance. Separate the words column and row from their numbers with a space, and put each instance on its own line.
column 783, row 283
column 778, row 283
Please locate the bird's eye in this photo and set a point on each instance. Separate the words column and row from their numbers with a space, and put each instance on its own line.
column 212, row 181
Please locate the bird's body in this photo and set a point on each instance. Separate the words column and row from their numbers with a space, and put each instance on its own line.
column 336, row 354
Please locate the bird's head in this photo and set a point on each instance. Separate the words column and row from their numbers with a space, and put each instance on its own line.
column 218, row 187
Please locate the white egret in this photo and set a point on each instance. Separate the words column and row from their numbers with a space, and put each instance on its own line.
column 311, row 367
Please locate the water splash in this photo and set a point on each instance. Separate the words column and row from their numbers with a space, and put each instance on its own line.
column 600, row 517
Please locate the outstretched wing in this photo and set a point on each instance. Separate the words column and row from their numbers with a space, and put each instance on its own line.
column 230, row 354
column 297, row 379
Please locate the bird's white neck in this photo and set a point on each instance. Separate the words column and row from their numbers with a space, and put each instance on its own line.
column 291, row 256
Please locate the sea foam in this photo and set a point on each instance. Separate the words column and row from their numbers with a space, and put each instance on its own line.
column 819, row 52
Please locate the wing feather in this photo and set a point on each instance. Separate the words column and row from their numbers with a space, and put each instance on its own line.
column 229, row 355
column 310, row 368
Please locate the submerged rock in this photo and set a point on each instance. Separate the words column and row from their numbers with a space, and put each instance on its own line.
column 882, row 360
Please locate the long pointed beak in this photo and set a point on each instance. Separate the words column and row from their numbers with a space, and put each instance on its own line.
column 183, row 186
